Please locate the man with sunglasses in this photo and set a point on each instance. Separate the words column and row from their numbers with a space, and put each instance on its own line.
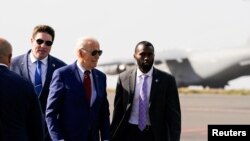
column 39, row 60
column 77, row 108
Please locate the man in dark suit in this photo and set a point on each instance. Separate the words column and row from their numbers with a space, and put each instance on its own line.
column 146, row 106
column 20, row 111
column 26, row 64
column 77, row 107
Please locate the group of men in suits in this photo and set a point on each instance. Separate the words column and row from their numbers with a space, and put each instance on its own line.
column 73, row 98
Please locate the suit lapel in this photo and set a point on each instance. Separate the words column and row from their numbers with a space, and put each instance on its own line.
column 154, row 89
column 132, row 80
column 96, row 80
column 77, row 76
column 24, row 66
column 50, row 69
column 78, row 82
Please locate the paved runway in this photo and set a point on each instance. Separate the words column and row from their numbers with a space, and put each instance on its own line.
column 200, row 110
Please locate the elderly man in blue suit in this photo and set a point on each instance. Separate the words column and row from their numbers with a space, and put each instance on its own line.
column 77, row 107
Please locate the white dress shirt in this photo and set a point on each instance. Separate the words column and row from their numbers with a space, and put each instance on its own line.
column 32, row 67
column 135, row 107
column 1, row 64
column 81, row 71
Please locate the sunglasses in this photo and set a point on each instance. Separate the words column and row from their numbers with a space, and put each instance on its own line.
column 95, row 52
column 47, row 43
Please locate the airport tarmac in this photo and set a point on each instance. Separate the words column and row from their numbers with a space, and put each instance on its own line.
column 199, row 111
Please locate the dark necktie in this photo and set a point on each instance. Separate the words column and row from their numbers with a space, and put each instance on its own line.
column 38, row 77
column 87, row 85
column 143, row 106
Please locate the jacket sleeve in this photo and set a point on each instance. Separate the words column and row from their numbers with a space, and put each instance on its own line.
column 173, row 104
column 53, row 104
column 104, row 118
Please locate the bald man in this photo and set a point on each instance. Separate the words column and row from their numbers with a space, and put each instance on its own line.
column 20, row 112
column 77, row 107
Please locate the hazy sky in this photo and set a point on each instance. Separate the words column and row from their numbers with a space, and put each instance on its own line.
column 119, row 25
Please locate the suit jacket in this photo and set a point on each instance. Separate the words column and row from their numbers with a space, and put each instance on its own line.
column 164, row 106
column 20, row 111
column 68, row 115
column 20, row 65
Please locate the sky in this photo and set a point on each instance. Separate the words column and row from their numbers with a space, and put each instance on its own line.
column 120, row 24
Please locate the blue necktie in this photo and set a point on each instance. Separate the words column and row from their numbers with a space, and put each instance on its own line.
column 38, row 77
column 143, row 106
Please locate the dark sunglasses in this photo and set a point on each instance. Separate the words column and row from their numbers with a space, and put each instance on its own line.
column 93, row 53
column 47, row 43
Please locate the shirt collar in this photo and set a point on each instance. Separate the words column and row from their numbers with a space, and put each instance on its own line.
column 79, row 66
column 149, row 73
column 1, row 64
column 33, row 59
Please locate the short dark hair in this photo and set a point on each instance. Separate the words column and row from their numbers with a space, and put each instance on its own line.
column 144, row 43
column 44, row 28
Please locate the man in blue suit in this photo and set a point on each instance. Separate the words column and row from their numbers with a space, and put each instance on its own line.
column 20, row 112
column 77, row 107
column 25, row 65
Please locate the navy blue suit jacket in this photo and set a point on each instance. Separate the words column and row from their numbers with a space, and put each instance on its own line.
column 68, row 115
column 20, row 65
column 20, row 112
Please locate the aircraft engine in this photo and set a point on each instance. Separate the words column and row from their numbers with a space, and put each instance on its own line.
column 113, row 69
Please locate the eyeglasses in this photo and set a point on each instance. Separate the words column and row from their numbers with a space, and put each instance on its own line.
column 94, row 52
column 47, row 43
